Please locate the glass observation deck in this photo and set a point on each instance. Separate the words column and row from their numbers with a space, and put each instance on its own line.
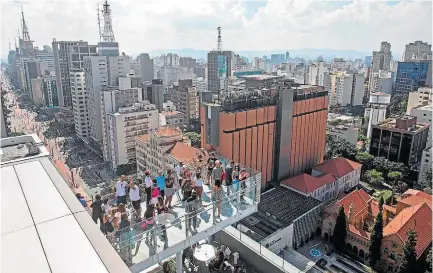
column 171, row 233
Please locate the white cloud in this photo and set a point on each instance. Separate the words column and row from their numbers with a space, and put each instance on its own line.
column 146, row 25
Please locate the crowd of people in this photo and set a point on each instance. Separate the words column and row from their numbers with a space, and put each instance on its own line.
column 120, row 215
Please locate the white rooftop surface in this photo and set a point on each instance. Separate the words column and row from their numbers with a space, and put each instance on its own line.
column 44, row 228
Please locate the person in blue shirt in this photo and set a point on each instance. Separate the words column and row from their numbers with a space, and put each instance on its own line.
column 236, row 183
column 81, row 199
column 160, row 181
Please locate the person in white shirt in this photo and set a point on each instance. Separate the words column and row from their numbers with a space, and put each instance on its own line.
column 121, row 190
column 198, row 185
column 179, row 169
column 134, row 195
column 148, row 183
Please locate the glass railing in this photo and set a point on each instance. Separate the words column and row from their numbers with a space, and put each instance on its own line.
column 142, row 240
column 288, row 260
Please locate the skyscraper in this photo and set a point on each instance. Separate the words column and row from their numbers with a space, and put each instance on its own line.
column 219, row 67
column 146, row 67
column 69, row 55
column 417, row 50
column 381, row 61
column 101, row 72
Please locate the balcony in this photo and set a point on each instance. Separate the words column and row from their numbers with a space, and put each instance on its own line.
column 166, row 238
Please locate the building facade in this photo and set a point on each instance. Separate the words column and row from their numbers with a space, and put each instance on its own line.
column 101, row 72
column 69, row 55
column 361, row 209
column 344, row 89
column 49, row 85
column 381, row 81
column 186, row 99
column 417, row 50
column 422, row 97
column 80, row 104
column 400, row 140
column 124, row 126
column 411, row 75
column 219, row 69
column 248, row 131
column 146, row 67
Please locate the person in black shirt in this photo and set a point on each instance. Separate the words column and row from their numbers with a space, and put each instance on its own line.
column 210, row 165
column 229, row 178
column 97, row 210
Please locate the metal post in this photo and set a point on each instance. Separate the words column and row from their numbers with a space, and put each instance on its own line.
column 179, row 262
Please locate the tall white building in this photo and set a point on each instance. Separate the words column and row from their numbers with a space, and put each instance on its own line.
column 417, row 50
column 316, row 74
column 381, row 82
column 79, row 104
column 69, row 55
column 146, row 67
column 101, row 72
column 46, row 55
column 112, row 99
column 376, row 110
column 124, row 126
column 344, row 89
column 338, row 64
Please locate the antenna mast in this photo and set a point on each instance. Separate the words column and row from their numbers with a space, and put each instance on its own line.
column 107, row 34
column 26, row 35
column 219, row 43
column 99, row 21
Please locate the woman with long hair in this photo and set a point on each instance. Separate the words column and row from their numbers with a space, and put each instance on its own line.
column 187, row 186
column 198, row 185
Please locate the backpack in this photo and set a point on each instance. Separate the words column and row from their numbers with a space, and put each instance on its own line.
column 109, row 227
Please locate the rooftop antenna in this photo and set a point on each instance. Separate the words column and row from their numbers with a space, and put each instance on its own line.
column 99, row 21
column 219, row 43
column 26, row 35
column 10, row 48
column 107, row 34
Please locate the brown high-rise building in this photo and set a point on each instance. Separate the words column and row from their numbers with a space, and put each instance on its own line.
column 279, row 130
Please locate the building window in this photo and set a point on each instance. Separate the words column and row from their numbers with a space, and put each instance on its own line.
column 385, row 251
column 392, row 256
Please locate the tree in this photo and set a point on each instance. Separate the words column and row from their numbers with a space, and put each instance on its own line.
column 381, row 203
column 365, row 159
column 409, row 264
column 395, row 176
column 195, row 139
column 429, row 261
column 398, row 105
column 426, row 182
column 339, row 235
column 374, row 177
column 385, row 166
column 336, row 147
column 376, row 237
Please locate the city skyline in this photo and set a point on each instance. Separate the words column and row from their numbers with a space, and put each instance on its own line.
column 247, row 25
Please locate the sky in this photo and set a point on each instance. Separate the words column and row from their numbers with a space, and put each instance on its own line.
column 148, row 25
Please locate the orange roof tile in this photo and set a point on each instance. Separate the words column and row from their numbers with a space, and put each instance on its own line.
column 143, row 138
column 338, row 167
column 374, row 207
column 168, row 131
column 307, row 183
column 358, row 232
column 359, row 198
column 413, row 200
column 390, row 209
column 419, row 218
column 184, row 153
column 418, row 193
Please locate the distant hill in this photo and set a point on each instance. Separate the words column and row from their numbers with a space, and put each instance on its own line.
column 306, row 53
